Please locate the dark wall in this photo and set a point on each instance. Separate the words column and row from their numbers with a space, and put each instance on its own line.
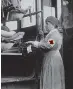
column 16, row 66
column 68, row 57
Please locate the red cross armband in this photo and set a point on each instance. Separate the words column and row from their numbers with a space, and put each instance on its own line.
column 51, row 42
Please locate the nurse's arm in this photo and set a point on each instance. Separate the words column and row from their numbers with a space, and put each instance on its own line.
column 44, row 45
column 47, row 44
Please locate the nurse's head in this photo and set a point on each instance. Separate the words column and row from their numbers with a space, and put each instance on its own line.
column 51, row 23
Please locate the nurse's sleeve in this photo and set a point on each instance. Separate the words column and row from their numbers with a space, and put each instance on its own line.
column 48, row 44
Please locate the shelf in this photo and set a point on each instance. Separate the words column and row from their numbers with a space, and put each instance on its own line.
column 11, row 53
column 17, row 79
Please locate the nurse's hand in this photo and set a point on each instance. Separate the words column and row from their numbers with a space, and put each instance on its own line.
column 29, row 42
column 34, row 43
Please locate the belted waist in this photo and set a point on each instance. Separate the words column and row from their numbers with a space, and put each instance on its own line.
column 52, row 51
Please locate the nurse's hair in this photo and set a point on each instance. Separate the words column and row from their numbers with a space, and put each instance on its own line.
column 54, row 21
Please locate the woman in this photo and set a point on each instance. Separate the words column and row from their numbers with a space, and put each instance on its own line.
column 52, row 72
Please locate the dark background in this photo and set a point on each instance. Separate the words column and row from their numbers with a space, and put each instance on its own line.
column 68, row 56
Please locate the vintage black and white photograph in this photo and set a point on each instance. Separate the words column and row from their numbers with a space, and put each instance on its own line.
column 36, row 44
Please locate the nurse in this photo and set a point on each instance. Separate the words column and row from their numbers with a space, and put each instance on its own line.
column 52, row 72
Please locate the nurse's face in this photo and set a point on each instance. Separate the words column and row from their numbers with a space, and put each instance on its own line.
column 49, row 26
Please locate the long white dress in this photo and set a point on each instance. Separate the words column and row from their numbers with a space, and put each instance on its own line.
column 52, row 72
